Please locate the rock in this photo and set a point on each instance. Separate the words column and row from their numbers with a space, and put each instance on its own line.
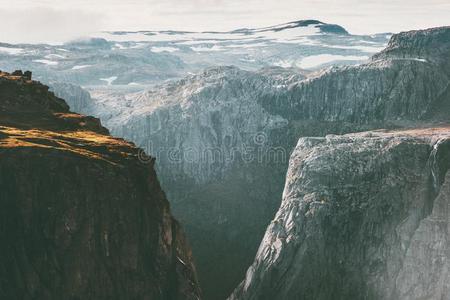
column 76, row 97
column 27, row 75
column 17, row 73
column 82, row 217
column 363, row 216
column 432, row 45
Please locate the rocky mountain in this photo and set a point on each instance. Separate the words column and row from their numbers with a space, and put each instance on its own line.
column 222, row 138
column 81, row 216
column 363, row 216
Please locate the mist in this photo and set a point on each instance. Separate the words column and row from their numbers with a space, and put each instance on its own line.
column 52, row 21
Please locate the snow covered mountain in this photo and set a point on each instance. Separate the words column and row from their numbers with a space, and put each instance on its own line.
column 148, row 57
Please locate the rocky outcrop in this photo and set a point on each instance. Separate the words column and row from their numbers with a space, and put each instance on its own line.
column 406, row 81
column 431, row 45
column 222, row 138
column 81, row 216
column 363, row 216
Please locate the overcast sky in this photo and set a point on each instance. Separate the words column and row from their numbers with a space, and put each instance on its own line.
column 62, row 20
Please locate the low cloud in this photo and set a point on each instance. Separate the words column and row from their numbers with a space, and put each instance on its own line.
column 43, row 24
column 57, row 21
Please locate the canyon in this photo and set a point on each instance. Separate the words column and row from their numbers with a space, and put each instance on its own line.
column 222, row 138
column 365, row 146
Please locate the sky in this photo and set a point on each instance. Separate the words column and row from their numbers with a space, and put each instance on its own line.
column 56, row 21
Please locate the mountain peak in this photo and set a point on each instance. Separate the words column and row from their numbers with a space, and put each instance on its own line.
column 323, row 27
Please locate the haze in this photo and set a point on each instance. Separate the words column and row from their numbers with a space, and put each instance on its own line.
column 55, row 21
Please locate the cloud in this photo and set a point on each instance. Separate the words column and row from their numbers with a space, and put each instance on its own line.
column 44, row 24
column 56, row 20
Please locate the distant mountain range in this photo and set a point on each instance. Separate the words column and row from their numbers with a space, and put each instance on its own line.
column 137, row 59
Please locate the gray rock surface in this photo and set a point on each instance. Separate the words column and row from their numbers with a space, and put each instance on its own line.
column 75, row 96
column 363, row 216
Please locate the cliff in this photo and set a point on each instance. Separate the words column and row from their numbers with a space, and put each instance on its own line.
column 363, row 216
column 407, row 81
column 222, row 138
column 81, row 216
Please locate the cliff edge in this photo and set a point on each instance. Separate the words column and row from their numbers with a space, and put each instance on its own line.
column 82, row 217
column 363, row 216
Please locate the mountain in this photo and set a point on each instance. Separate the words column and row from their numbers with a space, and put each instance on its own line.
column 310, row 24
column 363, row 216
column 134, row 60
column 82, row 217
column 222, row 138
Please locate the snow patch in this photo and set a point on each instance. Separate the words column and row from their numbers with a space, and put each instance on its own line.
column 207, row 49
column 289, row 34
column 109, row 80
column 317, row 60
column 163, row 49
column 11, row 51
column 46, row 62
column 284, row 63
column 52, row 56
column 369, row 49
column 81, row 67
column 120, row 46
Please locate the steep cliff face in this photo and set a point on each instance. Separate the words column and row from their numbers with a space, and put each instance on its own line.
column 404, row 82
column 432, row 45
column 81, row 217
column 76, row 97
column 363, row 216
column 222, row 138
column 212, row 142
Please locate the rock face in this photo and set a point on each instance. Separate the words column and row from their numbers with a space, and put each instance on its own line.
column 81, row 217
column 222, row 138
column 212, row 141
column 406, row 81
column 363, row 216
column 76, row 97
